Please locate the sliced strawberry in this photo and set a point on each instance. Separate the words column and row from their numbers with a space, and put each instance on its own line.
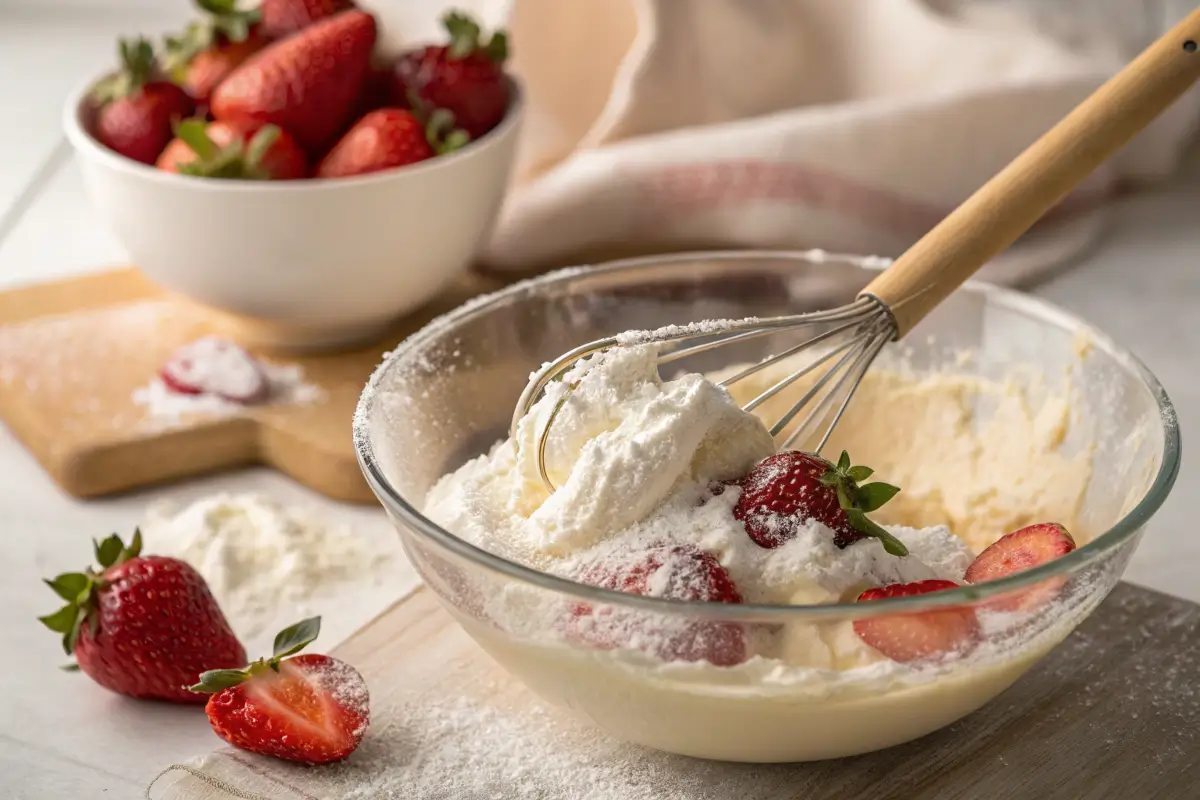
column 311, row 708
column 215, row 366
column 787, row 488
column 918, row 635
column 1016, row 552
column 672, row 571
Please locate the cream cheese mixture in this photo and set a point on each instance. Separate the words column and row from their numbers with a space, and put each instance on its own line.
column 639, row 462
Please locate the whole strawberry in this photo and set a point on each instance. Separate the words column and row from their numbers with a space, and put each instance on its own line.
column 210, row 49
column 387, row 138
column 282, row 18
column 308, row 85
column 134, row 110
column 671, row 571
column 144, row 626
column 313, row 709
column 785, row 489
column 465, row 77
column 234, row 150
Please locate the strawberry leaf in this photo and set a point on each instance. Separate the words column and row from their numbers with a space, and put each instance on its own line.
column 70, row 667
column 215, row 680
column 843, row 463
column 70, row 586
column 293, row 639
column 108, row 551
column 497, row 47
column 62, row 620
column 194, row 133
column 863, row 524
column 860, row 473
column 260, row 145
column 872, row 496
column 464, row 34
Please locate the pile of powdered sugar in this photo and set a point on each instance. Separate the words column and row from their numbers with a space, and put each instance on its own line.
column 270, row 565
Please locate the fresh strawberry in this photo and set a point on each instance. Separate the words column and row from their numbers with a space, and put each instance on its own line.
column 143, row 626
column 308, row 84
column 237, row 150
column 1016, row 552
column 385, row 139
column 211, row 48
column 672, row 571
column 215, row 366
column 282, row 18
column 135, row 110
column 312, row 709
column 919, row 635
column 465, row 77
column 784, row 489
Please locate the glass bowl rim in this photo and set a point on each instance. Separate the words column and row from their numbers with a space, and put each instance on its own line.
column 967, row 594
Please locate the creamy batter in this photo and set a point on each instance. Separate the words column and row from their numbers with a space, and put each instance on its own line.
column 633, row 459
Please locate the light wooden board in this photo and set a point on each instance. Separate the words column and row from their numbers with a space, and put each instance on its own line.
column 73, row 352
column 1114, row 712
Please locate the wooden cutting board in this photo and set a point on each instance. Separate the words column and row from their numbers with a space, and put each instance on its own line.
column 1113, row 713
column 73, row 352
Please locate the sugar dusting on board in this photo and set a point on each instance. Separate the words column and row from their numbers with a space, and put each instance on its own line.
column 269, row 564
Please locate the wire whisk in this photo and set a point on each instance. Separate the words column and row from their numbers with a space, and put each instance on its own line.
column 845, row 341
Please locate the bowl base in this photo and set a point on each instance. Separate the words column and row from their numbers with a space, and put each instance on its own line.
column 284, row 339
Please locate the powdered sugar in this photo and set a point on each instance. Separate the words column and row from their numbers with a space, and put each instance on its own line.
column 215, row 366
column 267, row 564
column 346, row 686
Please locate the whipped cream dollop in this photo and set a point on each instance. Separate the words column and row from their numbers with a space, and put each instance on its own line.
column 633, row 458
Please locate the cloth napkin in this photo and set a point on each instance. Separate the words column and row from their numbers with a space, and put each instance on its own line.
column 660, row 125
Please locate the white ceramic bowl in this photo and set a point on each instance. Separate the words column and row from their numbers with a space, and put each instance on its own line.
column 302, row 264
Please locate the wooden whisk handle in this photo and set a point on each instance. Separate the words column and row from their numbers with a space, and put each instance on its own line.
column 1011, row 202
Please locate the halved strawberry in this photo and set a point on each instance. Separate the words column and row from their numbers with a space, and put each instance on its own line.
column 215, row 366
column 672, row 571
column 1018, row 551
column 918, row 635
column 312, row 708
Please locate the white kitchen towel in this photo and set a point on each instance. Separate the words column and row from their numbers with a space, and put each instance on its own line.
column 848, row 125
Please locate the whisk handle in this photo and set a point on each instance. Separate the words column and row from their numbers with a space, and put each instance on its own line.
column 1012, row 201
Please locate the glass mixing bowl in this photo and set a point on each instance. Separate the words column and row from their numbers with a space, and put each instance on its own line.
column 446, row 395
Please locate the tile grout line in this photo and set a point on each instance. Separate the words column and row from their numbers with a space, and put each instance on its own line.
column 32, row 190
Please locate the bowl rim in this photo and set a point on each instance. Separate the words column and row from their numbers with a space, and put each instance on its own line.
column 87, row 146
column 966, row 594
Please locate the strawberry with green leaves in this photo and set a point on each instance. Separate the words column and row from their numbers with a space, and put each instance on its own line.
column 234, row 150
column 388, row 138
column 212, row 47
column 308, row 708
column 785, row 489
column 465, row 77
column 143, row 626
column 135, row 108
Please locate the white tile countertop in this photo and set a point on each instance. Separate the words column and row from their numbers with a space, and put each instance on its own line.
column 61, row 736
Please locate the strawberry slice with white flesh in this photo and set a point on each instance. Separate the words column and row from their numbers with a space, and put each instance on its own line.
column 218, row 367
column 919, row 635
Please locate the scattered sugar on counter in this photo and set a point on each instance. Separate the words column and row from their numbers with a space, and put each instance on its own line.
column 268, row 564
